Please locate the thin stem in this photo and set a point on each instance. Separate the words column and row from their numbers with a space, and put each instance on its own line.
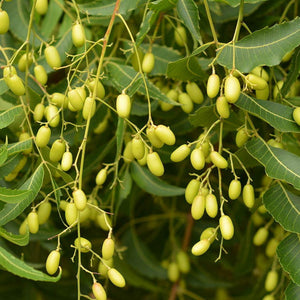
column 211, row 24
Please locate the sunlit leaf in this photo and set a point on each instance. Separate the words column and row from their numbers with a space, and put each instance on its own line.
column 13, row 196
column 8, row 116
column 18, row 239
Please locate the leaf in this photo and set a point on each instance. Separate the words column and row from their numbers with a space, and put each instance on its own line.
column 263, row 47
column 203, row 116
column 292, row 292
column 13, row 196
column 151, row 184
column 234, row 3
column 279, row 164
column 3, row 154
column 19, row 147
column 8, row 116
column 120, row 136
column 146, row 25
column 284, row 206
column 288, row 252
column 34, row 183
column 9, row 165
column 3, row 87
column 18, row 239
column 18, row 267
column 188, row 13
column 162, row 5
column 277, row 115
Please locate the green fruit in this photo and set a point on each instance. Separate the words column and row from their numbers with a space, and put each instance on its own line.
column 76, row 97
column 211, row 205
column 260, row 72
column 180, row 36
column 100, row 91
column 271, row 247
column 192, row 190
column 180, row 153
column 40, row 74
column 138, row 148
column 154, row 164
column 116, row 278
column 123, row 106
column 232, row 89
column 89, row 108
column 52, row 57
column 25, row 60
column 101, row 177
column 79, row 199
column 198, row 207
column 218, row 160
column 234, row 189
column 153, row 138
column 194, row 92
column 268, row 297
column 33, row 222
column 208, row 234
column 108, row 248
column 78, row 35
column 52, row 262
column 183, row 262
column 57, row 150
column 99, row 291
column 23, row 227
column 66, row 161
column 83, row 245
column 43, row 136
column 248, row 195
column 172, row 95
column 71, row 213
column 256, row 82
column 52, row 115
column 226, row 227
column 197, row 159
column 41, row 6
column 222, row 107
column 44, row 212
column 148, row 62
column 15, row 84
column 102, row 268
column 186, row 102
column 271, row 281
column 201, row 247
column 260, row 236
column 173, row 272
column 287, row 56
column 59, row 99
column 263, row 94
column 296, row 115
column 103, row 221
column 4, row 21
column 213, row 86
column 127, row 153
column 143, row 161
column 8, row 72
column 241, row 137
column 165, row 134
column 135, row 61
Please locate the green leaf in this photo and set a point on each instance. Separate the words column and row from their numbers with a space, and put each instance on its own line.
column 8, row 116
column 151, row 184
column 120, row 135
column 3, row 87
column 3, row 154
column 188, row 13
column 263, row 47
column 277, row 115
column 203, row 116
column 18, row 239
column 234, row 3
column 9, row 165
column 288, row 252
column 13, row 196
column 162, row 5
column 279, row 164
column 146, row 25
column 19, row 147
column 18, row 267
column 34, row 183
column 292, row 292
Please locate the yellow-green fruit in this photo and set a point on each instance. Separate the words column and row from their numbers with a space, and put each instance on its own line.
column 4, row 21
column 218, row 160
column 180, row 36
column 194, row 92
column 44, row 212
column 232, row 89
column 271, row 247
column 271, row 281
column 275, row 143
column 33, row 222
column 248, row 195
column 84, row 244
column 262, row 209
column 180, row 153
column 172, row 95
column 260, row 236
column 63, row 205
column 213, row 85
column 173, row 272
column 52, row 262
column 256, row 82
column 257, row 219
column 66, row 161
column 52, row 57
column 24, row 136
column 79, row 199
column 241, row 137
column 192, row 190
column 211, row 205
column 108, row 248
column 78, row 35
column 127, row 153
column 148, row 62
column 296, row 115
column 197, row 159
column 100, row 91
column 186, row 102
column 43, row 136
column 277, row 88
column 71, row 213
column 154, row 164
column 116, row 278
column 234, row 189
column 135, row 58
column 201, row 247
column 102, row 268
column 99, row 291
column 52, row 115
column 103, row 220
column 76, row 97
column 183, row 262
column 89, row 108
column 41, row 6
column 23, row 227
column 222, row 107
column 57, row 150
column 123, row 106
column 268, row 297
column 24, row 60
column 261, row 72
column 84, row 215
column 15, row 84
column 40, row 74
column 208, row 234
column 101, row 126
column 226, row 227
column 101, row 177
column 263, row 94
column 60, row 100
column 8, row 72
column 138, row 148
column 198, row 207
column 153, row 138
column 143, row 161
column 165, row 134
column 287, row 56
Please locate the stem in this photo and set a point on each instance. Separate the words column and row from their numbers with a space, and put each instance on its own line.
column 211, row 24
column 239, row 22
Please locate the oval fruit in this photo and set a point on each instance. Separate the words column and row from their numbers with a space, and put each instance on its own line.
column 194, row 92
column 218, row 160
column 154, row 164
column 100, row 91
column 52, row 57
column 15, row 84
column 108, row 248
column 127, row 153
column 33, row 222
column 211, row 205
column 8, row 72
column 143, row 161
column 78, row 35
column 255, row 82
column 197, row 159
column 180, row 153
column 116, row 278
column 103, row 221
column 136, row 58
column 23, row 227
column 99, row 291
column 263, row 94
column 186, row 102
column 213, row 86
column 101, row 177
column 201, row 247
column 79, row 199
column 59, row 99
column 296, row 115
column 260, row 236
column 40, row 74
column 226, row 227
column 76, row 97
column 66, row 161
column 83, row 244
column 260, row 72
column 52, row 262
column 57, row 150
column 208, row 234
column 271, row 247
column 248, row 195
column 183, row 262
column 44, row 212
column 192, row 190
column 234, row 189
column 173, row 272
column 180, row 36
column 271, row 281
column 104, row 265
column 148, row 62
column 89, row 108
column 153, row 138
column 25, row 60
column 198, row 207
column 268, row 297
column 4, row 21
column 71, row 213
column 123, row 106
column 43, row 136
column 41, row 6
column 52, row 115
column 222, row 107
column 241, row 137
column 232, row 89
column 138, row 148
column 165, row 134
